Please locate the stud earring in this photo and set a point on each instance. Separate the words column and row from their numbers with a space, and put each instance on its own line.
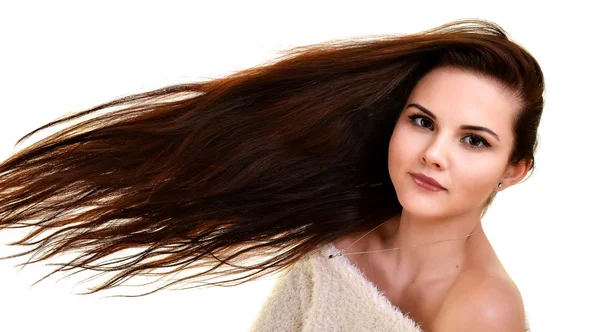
column 500, row 185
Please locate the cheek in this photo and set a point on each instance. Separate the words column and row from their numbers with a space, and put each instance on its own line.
column 399, row 154
column 475, row 181
column 404, row 143
column 403, row 158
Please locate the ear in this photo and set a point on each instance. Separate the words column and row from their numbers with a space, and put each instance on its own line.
column 515, row 173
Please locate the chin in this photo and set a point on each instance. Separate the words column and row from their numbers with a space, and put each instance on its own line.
column 426, row 205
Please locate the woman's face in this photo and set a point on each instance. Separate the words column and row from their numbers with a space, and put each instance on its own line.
column 469, row 163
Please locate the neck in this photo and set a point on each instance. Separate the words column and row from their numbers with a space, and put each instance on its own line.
column 429, row 261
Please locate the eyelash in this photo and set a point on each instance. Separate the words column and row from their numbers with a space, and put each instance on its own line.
column 484, row 145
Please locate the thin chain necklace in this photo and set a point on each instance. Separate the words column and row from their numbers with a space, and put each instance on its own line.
column 342, row 252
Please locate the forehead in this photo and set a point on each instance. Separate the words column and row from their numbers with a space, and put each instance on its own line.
column 460, row 97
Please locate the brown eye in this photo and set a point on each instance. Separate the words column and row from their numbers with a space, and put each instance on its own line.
column 477, row 142
column 420, row 121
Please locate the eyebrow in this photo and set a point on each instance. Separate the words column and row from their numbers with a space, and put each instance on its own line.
column 465, row 127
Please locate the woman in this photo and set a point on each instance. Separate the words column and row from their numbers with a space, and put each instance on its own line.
column 329, row 152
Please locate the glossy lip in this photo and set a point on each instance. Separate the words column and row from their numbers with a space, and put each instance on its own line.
column 424, row 178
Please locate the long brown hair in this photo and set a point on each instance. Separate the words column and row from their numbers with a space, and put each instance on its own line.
column 241, row 176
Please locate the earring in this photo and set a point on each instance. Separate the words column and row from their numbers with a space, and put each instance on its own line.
column 500, row 185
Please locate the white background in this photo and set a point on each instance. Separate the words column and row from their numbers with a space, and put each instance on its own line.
column 58, row 57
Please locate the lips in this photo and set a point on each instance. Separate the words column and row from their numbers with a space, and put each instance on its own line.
column 427, row 179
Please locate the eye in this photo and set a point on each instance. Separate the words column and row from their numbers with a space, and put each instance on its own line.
column 420, row 121
column 475, row 142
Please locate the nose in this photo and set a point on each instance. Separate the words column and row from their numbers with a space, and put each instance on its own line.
column 433, row 154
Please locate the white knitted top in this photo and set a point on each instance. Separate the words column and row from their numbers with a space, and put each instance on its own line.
column 322, row 294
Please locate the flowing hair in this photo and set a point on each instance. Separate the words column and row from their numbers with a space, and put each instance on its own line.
column 240, row 176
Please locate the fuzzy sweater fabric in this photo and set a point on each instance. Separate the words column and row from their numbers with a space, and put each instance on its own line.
column 322, row 294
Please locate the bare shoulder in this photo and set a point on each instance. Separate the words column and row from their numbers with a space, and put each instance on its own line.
column 480, row 300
